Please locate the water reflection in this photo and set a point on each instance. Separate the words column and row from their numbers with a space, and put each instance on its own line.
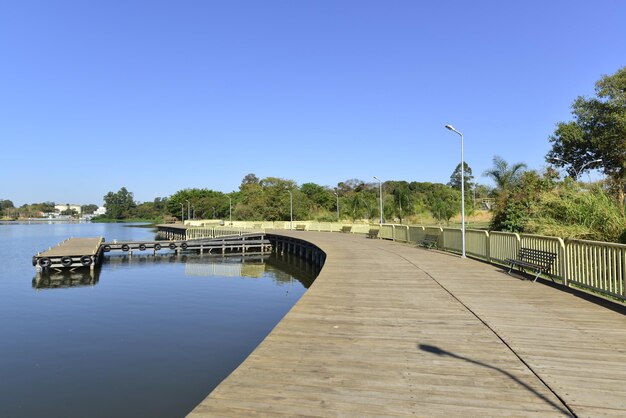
column 241, row 268
column 281, row 268
column 65, row 279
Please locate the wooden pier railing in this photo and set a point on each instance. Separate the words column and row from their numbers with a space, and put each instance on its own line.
column 592, row 265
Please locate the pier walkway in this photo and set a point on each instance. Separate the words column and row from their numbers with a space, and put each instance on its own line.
column 388, row 329
column 72, row 252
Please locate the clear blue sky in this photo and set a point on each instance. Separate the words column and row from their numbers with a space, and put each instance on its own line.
column 158, row 96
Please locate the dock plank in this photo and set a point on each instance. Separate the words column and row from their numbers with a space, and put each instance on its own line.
column 74, row 247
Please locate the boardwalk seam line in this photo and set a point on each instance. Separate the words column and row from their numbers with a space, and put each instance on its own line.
column 486, row 325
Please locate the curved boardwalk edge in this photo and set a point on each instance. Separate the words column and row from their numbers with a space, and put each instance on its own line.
column 391, row 330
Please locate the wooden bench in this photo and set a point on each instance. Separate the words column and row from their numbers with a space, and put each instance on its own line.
column 300, row 227
column 537, row 260
column 430, row 241
column 373, row 233
column 346, row 229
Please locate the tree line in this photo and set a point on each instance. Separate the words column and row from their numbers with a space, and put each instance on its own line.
column 270, row 199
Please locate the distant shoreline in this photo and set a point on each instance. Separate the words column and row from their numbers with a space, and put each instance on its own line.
column 43, row 220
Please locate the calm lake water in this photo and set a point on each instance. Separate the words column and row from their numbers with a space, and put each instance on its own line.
column 146, row 336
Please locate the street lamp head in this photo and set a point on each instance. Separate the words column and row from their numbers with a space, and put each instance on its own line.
column 450, row 127
column 376, row 178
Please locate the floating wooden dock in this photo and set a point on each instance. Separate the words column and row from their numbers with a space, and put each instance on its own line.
column 87, row 252
column 70, row 254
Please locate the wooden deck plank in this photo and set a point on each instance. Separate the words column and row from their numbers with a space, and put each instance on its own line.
column 73, row 247
column 391, row 330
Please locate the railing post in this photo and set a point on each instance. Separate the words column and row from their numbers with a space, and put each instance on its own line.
column 562, row 254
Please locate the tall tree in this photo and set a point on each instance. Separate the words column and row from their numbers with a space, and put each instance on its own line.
column 455, row 177
column 5, row 206
column 88, row 209
column 119, row 205
column 598, row 131
column 203, row 203
column 503, row 174
column 319, row 197
column 250, row 179
column 443, row 202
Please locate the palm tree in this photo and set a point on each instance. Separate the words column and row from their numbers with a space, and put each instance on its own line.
column 504, row 175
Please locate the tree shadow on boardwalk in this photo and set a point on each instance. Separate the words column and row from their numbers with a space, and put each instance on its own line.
column 440, row 352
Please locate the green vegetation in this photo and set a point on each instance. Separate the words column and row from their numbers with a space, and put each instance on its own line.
column 455, row 177
column 598, row 131
column 88, row 209
column 540, row 204
column 504, row 175
column 121, row 207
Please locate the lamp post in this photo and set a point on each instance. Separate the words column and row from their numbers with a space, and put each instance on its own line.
column 599, row 160
column 337, row 195
column 182, row 213
column 380, row 194
column 290, row 209
column 213, row 207
column 230, row 210
column 450, row 127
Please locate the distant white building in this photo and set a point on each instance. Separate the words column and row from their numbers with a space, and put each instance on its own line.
column 62, row 208
column 100, row 211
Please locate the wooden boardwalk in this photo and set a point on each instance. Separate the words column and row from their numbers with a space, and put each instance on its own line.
column 388, row 329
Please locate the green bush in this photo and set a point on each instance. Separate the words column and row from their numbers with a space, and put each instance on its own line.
column 564, row 209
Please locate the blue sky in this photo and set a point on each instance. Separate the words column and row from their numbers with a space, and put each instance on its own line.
column 158, row 96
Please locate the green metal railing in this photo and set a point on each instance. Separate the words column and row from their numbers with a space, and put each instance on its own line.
column 502, row 245
column 217, row 231
column 598, row 266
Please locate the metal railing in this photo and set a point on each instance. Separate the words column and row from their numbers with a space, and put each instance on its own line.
column 217, row 231
column 593, row 265
column 599, row 266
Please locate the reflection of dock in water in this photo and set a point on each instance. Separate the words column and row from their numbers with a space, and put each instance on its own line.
column 225, row 269
column 66, row 278
column 282, row 268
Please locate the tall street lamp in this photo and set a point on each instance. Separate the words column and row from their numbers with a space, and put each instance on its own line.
column 380, row 194
column 337, row 195
column 291, row 209
column 450, row 127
